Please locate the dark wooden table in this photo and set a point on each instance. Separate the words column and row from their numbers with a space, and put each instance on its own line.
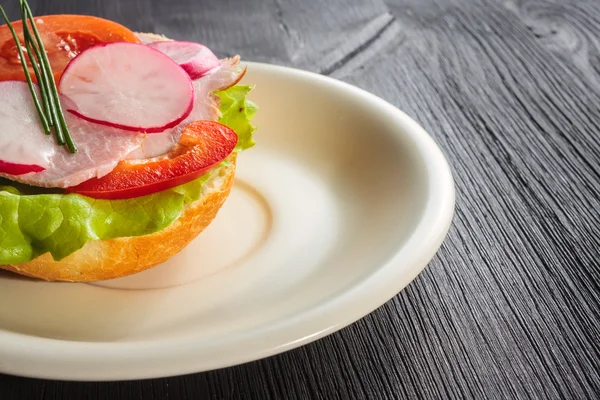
column 510, row 306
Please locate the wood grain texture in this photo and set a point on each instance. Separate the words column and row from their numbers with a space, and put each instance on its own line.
column 510, row 306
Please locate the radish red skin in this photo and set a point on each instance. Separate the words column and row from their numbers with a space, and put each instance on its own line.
column 159, row 69
column 198, row 62
column 134, row 128
column 19, row 169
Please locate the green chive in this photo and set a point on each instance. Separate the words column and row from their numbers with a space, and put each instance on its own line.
column 60, row 126
column 44, row 83
column 26, row 71
column 36, row 68
column 53, row 115
column 43, row 92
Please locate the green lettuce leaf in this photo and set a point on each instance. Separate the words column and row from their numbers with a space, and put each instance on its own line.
column 34, row 223
column 237, row 113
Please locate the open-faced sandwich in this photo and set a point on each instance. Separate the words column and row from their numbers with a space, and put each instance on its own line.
column 116, row 148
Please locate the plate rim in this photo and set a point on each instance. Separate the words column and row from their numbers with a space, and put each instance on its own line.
column 32, row 356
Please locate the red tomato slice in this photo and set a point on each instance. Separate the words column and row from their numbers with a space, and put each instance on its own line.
column 64, row 37
column 202, row 146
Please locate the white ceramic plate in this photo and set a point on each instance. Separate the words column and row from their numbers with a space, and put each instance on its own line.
column 341, row 204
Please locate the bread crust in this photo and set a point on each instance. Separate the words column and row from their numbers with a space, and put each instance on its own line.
column 108, row 259
column 148, row 37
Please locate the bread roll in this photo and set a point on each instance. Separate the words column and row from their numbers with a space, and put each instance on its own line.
column 114, row 258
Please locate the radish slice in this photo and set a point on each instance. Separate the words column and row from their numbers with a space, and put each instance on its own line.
column 128, row 86
column 205, row 108
column 21, row 151
column 18, row 169
column 196, row 59
column 29, row 156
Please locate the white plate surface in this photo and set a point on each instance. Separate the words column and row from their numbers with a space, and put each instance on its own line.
column 341, row 204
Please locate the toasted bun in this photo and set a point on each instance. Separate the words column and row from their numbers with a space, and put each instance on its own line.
column 146, row 38
column 114, row 258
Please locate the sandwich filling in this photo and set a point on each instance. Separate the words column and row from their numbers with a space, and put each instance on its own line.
column 41, row 211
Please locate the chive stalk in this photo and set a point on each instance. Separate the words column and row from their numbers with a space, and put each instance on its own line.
column 62, row 132
column 50, row 110
column 45, row 82
column 23, row 60
column 43, row 93
column 37, row 68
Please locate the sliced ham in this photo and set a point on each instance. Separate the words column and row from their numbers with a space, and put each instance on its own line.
column 23, row 141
